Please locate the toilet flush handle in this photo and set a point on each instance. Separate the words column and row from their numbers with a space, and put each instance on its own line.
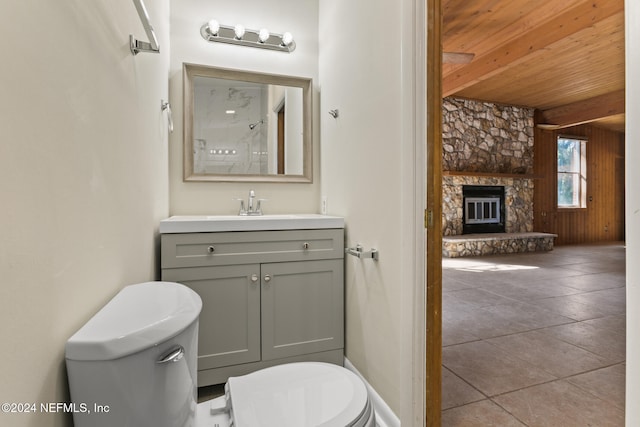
column 173, row 356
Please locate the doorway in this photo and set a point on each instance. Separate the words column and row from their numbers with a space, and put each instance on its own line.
column 433, row 281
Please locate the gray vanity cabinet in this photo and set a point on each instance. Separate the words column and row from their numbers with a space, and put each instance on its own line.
column 269, row 297
column 302, row 306
column 229, row 328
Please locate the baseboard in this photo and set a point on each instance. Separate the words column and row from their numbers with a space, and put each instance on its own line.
column 384, row 415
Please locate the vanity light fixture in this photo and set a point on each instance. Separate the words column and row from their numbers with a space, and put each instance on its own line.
column 263, row 35
column 287, row 39
column 213, row 31
column 239, row 31
column 214, row 27
column 225, row 151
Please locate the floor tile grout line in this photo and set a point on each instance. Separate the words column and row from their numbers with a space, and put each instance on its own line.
column 514, row 354
column 509, row 412
column 586, row 390
column 493, row 397
column 609, row 293
column 535, row 329
column 485, row 396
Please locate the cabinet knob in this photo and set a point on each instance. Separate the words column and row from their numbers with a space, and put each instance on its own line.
column 211, row 249
column 254, row 277
column 306, row 245
column 267, row 277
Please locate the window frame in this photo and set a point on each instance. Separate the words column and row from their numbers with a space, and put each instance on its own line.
column 580, row 174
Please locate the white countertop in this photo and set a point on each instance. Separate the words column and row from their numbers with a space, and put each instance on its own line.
column 214, row 223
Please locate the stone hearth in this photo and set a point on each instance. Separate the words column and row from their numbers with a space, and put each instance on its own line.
column 496, row 243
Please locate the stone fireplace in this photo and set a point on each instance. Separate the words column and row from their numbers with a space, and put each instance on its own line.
column 516, row 214
column 488, row 181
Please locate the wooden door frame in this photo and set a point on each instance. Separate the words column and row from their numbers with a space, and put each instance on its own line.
column 433, row 215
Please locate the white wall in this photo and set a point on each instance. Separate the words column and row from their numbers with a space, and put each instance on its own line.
column 187, row 16
column 632, row 200
column 368, row 176
column 83, row 179
column 365, row 165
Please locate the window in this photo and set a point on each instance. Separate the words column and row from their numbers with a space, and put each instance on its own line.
column 572, row 172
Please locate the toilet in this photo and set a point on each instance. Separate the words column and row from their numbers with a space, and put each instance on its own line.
column 135, row 364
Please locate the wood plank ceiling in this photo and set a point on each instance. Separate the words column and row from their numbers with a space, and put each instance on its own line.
column 562, row 57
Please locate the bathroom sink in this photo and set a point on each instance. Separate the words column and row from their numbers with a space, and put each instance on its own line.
column 212, row 223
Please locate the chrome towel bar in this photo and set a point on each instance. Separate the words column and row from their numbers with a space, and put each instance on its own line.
column 359, row 252
column 137, row 46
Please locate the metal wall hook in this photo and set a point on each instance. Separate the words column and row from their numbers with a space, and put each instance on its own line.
column 164, row 105
column 334, row 113
column 359, row 252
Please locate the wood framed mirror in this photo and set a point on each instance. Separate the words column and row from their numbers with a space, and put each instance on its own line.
column 246, row 126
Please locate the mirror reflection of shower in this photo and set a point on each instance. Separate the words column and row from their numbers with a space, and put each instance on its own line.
column 253, row 125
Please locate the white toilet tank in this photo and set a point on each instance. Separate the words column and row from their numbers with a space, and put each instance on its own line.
column 134, row 364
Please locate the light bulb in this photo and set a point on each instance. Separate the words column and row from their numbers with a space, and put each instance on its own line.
column 239, row 30
column 214, row 27
column 263, row 35
column 287, row 38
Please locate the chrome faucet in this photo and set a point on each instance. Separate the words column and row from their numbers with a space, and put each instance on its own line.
column 252, row 196
column 254, row 206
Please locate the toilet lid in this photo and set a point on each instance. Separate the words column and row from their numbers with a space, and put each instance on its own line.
column 298, row 395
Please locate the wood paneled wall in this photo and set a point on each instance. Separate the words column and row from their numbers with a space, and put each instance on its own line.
column 603, row 218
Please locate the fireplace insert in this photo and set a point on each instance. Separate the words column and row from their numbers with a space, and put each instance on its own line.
column 483, row 209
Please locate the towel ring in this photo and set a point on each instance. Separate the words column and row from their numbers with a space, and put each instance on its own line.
column 164, row 105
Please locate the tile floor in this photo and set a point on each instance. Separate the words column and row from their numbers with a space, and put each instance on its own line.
column 535, row 339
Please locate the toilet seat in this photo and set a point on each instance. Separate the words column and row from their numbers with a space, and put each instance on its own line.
column 291, row 395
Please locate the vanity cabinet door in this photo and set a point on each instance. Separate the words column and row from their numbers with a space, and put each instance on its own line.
column 302, row 307
column 229, row 329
